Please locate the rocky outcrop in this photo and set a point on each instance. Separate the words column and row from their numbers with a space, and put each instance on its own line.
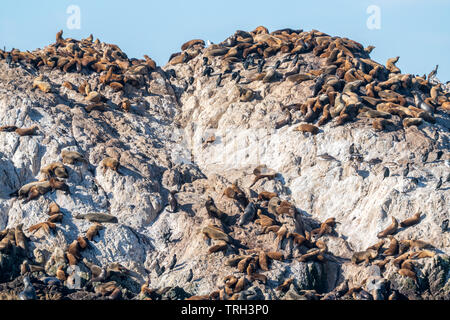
column 215, row 124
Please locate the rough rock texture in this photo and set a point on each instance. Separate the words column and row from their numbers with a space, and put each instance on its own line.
column 198, row 140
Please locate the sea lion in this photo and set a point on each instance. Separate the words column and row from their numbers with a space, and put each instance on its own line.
column 73, row 249
column 70, row 157
column 393, row 247
column 411, row 221
column 27, row 131
column 266, row 196
column 390, row 65
column 243, row 264
column 365, row 256
column 297, row 238
column 215, row 233
column 390, row 230
column 46, row 226
column 55, row 184
column 221, row 246
column 34, row 190
column 379, row 124
column 213, row 211
column 126, row 105
column 258, row 277
column 93, row 231
column 423, row 254
column 21, row 239
column 42, row 85
column 82, row 243
column 407, row 273
column 249, row 214
column 284, row 287
column 55, row 169
column 325, row 228
column 246, row 95
column 109, row 163
column 307, row 128
column 275, row 255
column 97, row 217
column 240, row 285
column 408, row 122
column 263, row 261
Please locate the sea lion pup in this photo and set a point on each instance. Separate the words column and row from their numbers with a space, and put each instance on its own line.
column 109, row 163
column 411, row 221
column 390, row 230
column 249, row 214
column 93, row 231
column 97, row 217
column 213, row 211
column 55, row 169
column 55, row 184
column 305, row 127
column 365, row 256
column 70, row 157
column 27, row 131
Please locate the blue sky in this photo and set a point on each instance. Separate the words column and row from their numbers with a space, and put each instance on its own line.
column 417, row 31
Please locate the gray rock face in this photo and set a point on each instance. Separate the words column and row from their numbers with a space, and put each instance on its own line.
column 199, row 141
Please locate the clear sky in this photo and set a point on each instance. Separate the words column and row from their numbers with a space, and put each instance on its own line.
column 417, row 31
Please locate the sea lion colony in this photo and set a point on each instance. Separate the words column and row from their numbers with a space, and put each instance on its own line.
column 347, row 86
